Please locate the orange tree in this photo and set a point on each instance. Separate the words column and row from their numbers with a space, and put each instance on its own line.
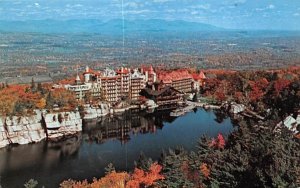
column 139, row 178
column 65, row 99
column 19, row 99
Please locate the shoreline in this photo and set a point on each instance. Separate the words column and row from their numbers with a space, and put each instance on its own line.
column 56, row 126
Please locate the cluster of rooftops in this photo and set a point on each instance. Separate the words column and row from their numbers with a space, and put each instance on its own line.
column 165, row 76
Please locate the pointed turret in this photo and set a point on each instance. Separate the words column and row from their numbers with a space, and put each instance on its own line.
column 151, row 69
column 87, row 69
column 87, row 74
column 77, row 80
column 202, row 75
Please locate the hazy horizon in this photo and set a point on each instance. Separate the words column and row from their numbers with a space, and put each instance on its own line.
column 228, row 14
column 133, row 26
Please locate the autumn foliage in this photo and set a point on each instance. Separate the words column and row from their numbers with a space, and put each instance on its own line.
column 257, row 89
column 218, row 142
column 64, row 98
column 19, row 98
column 205, row 170
column 24, row 99
column 281, row 84
column 139, row 178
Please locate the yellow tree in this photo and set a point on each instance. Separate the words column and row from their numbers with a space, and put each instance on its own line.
column 111, row 180
column 7, row 104
column 41, row 104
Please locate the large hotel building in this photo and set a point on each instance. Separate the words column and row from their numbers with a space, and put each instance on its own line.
column 112, row 85
column 181, row 80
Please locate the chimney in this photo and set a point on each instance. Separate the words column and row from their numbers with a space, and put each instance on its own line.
column 146, row 76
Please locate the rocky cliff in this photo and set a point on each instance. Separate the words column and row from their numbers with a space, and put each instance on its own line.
column 3, row 137
column 60, row 124
column 34, row 128
column 92, row 112
column 22, row 130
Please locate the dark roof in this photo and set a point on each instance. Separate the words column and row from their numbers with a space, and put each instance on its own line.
column 159, row 92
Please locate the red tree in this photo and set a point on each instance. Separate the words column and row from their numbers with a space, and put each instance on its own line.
column 218, row 142
column 281, row 84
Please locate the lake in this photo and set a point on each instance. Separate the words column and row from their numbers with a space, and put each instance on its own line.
column 118, row 140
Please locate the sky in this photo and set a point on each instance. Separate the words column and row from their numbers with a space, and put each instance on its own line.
column 233, row 14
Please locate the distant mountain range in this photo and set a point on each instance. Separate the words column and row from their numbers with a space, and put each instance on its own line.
column 109, row 27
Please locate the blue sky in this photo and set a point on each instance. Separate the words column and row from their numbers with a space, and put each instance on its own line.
column 235, row 14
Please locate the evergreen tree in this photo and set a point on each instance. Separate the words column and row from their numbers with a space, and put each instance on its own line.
column 32, row 86
column 109, row 169
column 143, row 163
column 40, row 88
column 174, row 169
column 31, row 184
column 254, row 156
column 49, row 101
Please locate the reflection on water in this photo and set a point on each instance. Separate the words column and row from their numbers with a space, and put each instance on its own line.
column 119, row 140
column 120, row 128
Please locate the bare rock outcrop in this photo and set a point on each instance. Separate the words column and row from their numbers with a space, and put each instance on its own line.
column 3, row 137
column 92, row 112
column 61, row 124
column 41, row 125
column 237, row 108
column 21, row 129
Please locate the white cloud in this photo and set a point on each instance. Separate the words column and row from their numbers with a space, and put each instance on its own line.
column 131, row 5
column 271, row 6
column 260, row 9
column 138, row 11
column 240, row 1
column 161, row 1
column 170, row 10
column 78, row 5
column 296, row 14
column 194, row 12
column 37, row 4
column 183, row 10
column 203, row 6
